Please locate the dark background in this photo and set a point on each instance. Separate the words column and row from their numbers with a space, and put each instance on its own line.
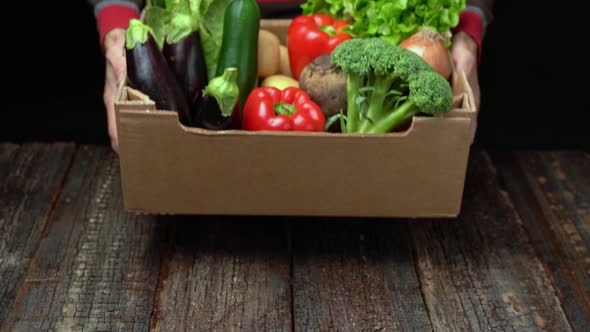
column 533, row 75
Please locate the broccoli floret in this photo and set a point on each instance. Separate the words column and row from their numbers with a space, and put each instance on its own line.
column 387, row 85
column 349, row 59
column 355, row 62
column 429, row 93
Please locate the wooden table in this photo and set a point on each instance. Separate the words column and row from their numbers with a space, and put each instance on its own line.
column 72, row 259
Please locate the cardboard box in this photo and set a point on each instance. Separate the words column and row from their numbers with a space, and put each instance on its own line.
column 167, row 168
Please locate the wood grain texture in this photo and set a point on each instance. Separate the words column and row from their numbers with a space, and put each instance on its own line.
column 355, row 276
column 225, row 274
column 96, row 268
column 7, row 153
column 71, row 258
column 31, row 178
column 551, row 191
column 479, row 272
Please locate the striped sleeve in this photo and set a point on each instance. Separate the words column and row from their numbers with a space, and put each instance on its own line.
column 474, row 19
column 112, row 14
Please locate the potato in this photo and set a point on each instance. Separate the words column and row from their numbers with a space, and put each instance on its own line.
column 285, row 66
column 269, row 53
column 279, row 81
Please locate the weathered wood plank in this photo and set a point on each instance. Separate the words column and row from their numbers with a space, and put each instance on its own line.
column 31, row 178
column 479, row 272
column 355, row 276
column 225, row 274
column 7, row 153
column 568, row 188
column 551, row 191
column 97, row 267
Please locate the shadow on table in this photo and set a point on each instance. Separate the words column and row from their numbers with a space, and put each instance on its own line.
column 488, row 223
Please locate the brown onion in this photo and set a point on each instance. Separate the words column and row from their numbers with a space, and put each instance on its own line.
column 430, row 45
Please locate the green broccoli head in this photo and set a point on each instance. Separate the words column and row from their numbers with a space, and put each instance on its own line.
column 375, row 55
column 430, row 92
column 409, row 63
column 387, row 85
column 349, row 57
column 381, row 55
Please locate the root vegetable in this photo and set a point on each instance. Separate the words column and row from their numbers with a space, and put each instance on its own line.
column 279, row 81
column 285, row 67
column 325, row 84
column 430, row 45
column 269, row 53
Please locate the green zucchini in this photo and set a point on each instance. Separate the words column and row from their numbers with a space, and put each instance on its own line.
column 239, row 45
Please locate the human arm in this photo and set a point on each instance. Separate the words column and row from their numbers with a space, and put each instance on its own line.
column 112, row 18
column 466, row 48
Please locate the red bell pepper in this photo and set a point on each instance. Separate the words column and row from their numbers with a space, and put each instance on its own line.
column 291, row 109
column 309, row 37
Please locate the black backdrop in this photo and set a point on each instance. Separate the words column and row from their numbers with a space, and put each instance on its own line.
column 533, row 76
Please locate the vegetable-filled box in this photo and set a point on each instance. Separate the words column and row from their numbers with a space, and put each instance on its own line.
column 170, row 168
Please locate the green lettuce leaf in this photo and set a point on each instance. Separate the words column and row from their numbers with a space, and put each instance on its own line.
column 157, row 19
column 156, row 3
column 211, row 31
column 171, row 4
column 173, row 20
column 392, row 20
column 173, row 23
column 183, row 22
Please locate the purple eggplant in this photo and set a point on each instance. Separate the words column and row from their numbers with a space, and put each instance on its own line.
column 187, row 62
column 220, row 102
column 148, row 71
column 210, row 116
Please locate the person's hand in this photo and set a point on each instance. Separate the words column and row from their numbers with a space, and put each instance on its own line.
column 464, row 53
column 114, row 52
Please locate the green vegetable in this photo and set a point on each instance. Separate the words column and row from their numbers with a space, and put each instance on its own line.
column 157, row 18
column 225, row 90
column 211, row 30
column 239, row 46
column 157, row 3
column 179, row 17
column 392, row 20
column 183, row 22
column 387, row 85
column 171, row 21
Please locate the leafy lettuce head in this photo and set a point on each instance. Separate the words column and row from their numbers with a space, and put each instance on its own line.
column 391, row 20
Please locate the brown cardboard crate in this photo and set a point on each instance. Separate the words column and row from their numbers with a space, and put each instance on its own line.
column 167, row 168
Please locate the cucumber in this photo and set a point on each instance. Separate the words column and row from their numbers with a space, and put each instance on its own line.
column 239, row 45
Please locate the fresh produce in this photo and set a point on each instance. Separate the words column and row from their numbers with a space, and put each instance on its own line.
column 326, row 85
column 157, row 18
column 430, row 45
column 387, row 85
column 161, row 3
column 392, row 20
column 206, row 14
column 239, row 48
column 220, row 101
column 182, row 48
column 185, row 58
column 269, row 53
column 290, row 109
column 148, row 71
column 211, row 14
column 284, row 66
column 279, row 81
column 308, row 37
